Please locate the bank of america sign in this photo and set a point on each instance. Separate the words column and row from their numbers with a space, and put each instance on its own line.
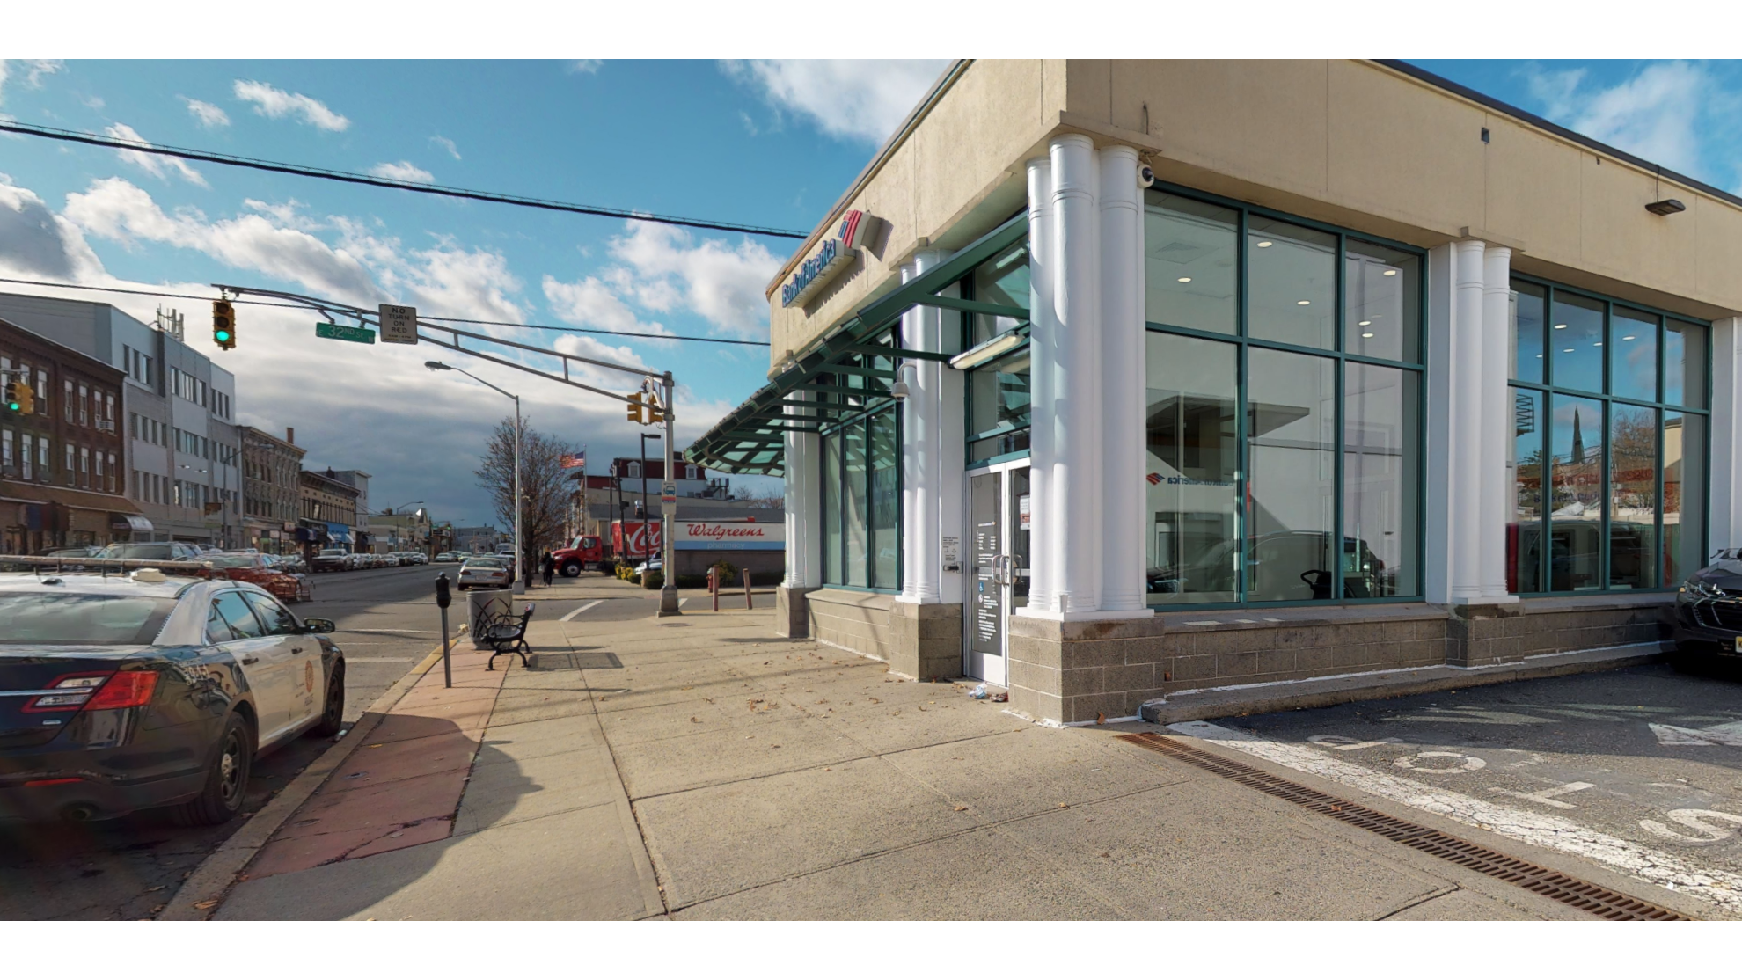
column 836, row 254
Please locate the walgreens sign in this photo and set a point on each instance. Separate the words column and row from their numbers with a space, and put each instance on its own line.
column 730, row 536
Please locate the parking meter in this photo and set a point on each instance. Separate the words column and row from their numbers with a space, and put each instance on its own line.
column 444, row 598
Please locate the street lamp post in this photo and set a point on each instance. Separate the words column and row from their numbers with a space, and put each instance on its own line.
column 646, row 515
column 521, row 576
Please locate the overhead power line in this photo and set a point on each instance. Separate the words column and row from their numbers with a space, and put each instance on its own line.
column 443, row 319
column 345, row 176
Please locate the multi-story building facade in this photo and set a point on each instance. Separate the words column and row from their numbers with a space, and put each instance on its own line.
column 61, row 463
column 360, row 518
column 271, row 489
column 177, row 409
column 1122, row 382
column 329, row 512
column 410, row 531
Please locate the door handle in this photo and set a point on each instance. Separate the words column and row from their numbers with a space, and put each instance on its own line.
column 250, row 660
column 296, row 649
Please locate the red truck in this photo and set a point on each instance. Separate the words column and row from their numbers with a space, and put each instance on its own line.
column 584, row 552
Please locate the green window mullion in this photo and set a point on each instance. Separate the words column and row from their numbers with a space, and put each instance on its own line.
column 1608, row 491
column 1242, row 372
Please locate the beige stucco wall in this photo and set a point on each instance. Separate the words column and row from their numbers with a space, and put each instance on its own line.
column 1349, row 142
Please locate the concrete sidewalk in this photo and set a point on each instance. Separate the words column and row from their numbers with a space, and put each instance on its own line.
column 699, row 767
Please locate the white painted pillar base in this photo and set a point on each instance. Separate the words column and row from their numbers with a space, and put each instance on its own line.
column 1726, row 469
column 804, row 505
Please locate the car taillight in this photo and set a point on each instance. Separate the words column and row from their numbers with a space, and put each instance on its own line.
column 126, row 689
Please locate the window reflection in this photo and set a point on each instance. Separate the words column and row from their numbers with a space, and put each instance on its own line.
column 1528, row 304
column 1576, row 518
column 1633, row 355
column 885, row 501
column 1380, row 494
column 1632, row 497
column 1193, row 538
column 1684, row 363
column 1575, row 340
column 1292, row 282
column 998, row 408
column 831, row 447
column 1291, row 418
column 1524, row 517
column 1381, row 295
column 1684, row 488
column 1191, row 259
column 1003, row 280
column 856, row 505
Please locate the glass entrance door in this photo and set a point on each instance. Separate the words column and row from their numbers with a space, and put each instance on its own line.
column 998, row 521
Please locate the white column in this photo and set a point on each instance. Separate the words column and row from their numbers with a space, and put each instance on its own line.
column 1042, row 341
column 1437, row 549
column 921, row 445
column 1725, row 482
column 1466, row 421
column 1496, row 414
column 1122, row 382
column 804, row 504
column 1074, row 510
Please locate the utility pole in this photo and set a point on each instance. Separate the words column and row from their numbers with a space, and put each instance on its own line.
column 668, row 509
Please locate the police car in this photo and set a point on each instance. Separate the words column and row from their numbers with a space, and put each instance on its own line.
column 128, row 688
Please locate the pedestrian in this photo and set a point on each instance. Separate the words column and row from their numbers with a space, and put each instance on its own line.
column 547, row 567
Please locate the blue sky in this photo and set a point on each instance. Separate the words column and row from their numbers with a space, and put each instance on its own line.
column 762, row 142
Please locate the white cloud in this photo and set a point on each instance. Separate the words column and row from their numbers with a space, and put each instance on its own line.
column 446, row 144
column 1659, row 114
column 209, row 115
column 32, row 72
column 276, row 104
column 403, row 170
column 36, row 243
column 585, row 66
column 591, row 303
column 93, row 101
column 749, row 124
column 856, row 100
column 153, row 164
column 718, row 282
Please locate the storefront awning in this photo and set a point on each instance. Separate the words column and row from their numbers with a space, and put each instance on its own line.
column 752, row 437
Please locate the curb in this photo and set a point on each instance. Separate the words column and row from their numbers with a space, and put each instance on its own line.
column 205, row 888
column 1258, row 699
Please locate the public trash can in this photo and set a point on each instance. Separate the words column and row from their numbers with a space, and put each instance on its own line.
column 485, row 604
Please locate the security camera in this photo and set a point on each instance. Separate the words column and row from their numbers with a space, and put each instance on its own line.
column 1145, row 176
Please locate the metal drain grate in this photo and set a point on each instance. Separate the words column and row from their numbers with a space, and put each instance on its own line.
column 1595, row 899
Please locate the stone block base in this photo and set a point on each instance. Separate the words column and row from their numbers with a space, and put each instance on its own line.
column 855, row 621
column 792, row 612
column 927, row 640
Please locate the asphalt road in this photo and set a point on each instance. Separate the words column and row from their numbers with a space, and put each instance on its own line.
column 1648, row 755
column 126, row 869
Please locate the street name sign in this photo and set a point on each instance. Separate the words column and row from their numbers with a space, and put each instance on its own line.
column 338, row 331
column 398, row 324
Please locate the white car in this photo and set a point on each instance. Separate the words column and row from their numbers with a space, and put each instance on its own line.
column 487, row 573
column 123, row 692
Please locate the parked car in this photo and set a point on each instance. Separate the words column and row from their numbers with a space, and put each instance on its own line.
column 334, row 560
column 485, row 573
column 152, row 551
column 1708, row 609
column 291, row 563
column 240, row 567
column 444, row 557
column 124, row 693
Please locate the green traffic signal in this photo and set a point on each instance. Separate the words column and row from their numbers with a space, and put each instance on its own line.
column 222, row 336
column 12, row 406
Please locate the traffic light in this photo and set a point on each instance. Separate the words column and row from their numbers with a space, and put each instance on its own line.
column 224, row 324
column 634, row 410
column 19, row 398
column 13, row 404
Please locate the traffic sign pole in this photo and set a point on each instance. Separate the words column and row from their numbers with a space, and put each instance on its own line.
column 668, row 508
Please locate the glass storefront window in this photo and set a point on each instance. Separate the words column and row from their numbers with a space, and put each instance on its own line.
column 1291, row 500
column 1633, row 355
column 1575, row 342
column 831, row 446
column 1684, row 363
column 885, row 501
column 856, row 506
column 1524, row 517
column 1632, row 497
column 1191, row 264
column 1528, row 305
column 1291, row 283
column 1381, row 303
column 1381, row 492
column 1576, row 501
column 998, row 408
column 1193, row 533
column 1684, row 496
column 1003, row 280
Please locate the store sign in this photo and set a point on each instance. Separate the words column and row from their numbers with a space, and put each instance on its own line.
column 730, row 536
column 857, row 228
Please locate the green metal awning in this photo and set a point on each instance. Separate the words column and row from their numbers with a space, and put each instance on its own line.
column 752, row 437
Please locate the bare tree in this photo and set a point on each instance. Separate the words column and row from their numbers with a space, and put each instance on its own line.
column 544, row 485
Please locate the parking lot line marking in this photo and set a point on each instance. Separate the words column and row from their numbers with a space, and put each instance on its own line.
column 1547, row 796
column 1726, row 734
column 1720, row 888
column 580, row 609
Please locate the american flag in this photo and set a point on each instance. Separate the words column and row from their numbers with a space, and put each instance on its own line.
column 572, row 461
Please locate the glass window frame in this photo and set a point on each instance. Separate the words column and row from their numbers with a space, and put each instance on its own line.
column 1341, row 357
column 831, row 435
column 1663, row 409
